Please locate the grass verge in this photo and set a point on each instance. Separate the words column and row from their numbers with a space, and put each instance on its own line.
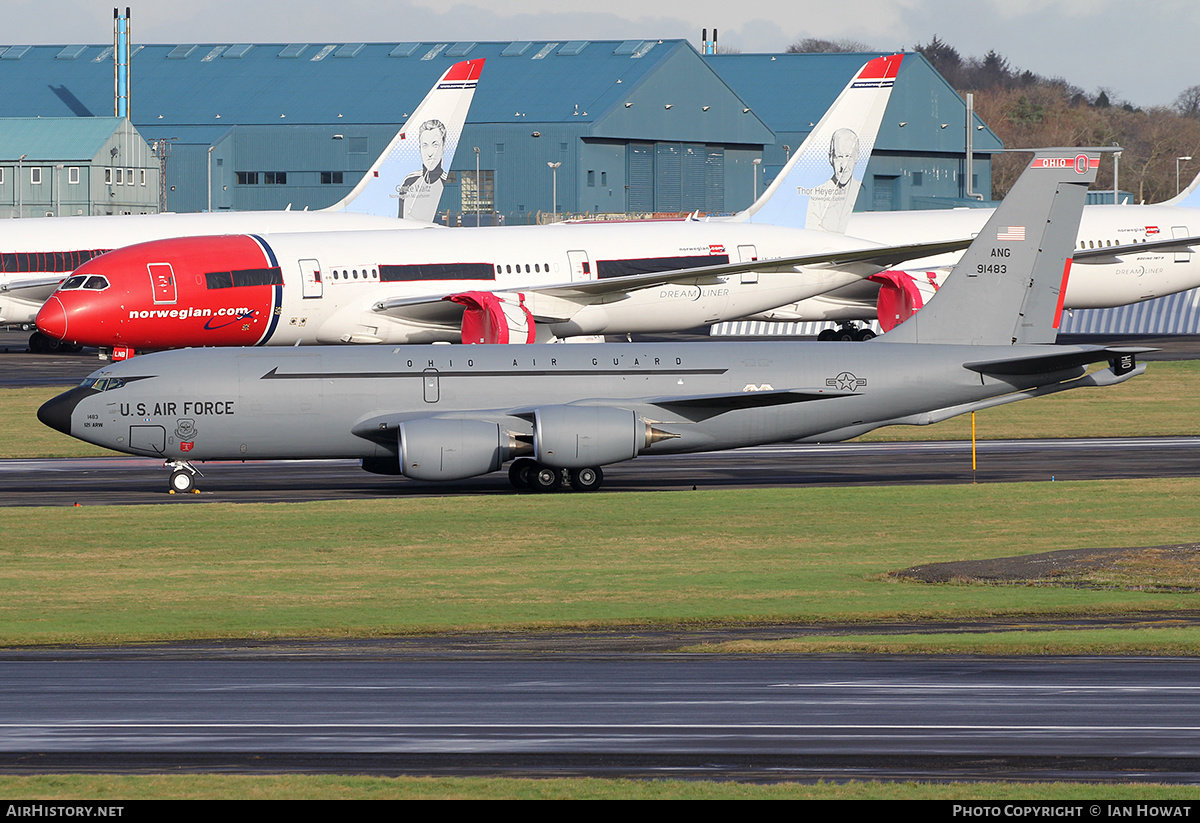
column 378, row 568
column 115, row 788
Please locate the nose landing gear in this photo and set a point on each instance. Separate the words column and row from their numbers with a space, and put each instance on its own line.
column 183, row 477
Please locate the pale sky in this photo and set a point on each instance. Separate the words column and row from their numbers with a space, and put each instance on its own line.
column 1144, row 53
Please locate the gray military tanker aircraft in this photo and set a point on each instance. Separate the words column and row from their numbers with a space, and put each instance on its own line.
column 560, row 413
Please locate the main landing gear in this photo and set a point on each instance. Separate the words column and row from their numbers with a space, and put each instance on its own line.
column 526, row 474
column 846, row 333
column 43, row 344
column 183, row 477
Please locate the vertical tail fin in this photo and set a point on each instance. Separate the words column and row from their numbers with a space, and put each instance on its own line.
column 1008, row 286
column 1188, row 198
column 406, row 180
column 808, row 193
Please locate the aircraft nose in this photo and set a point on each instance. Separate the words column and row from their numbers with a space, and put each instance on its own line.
column 56, row 412
column 52, row 319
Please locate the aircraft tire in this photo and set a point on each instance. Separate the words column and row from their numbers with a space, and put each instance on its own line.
column 863, row 335
column 826, row 335
column 520, row 471
column 182, row 481
column 587, row 479
column 544, row 478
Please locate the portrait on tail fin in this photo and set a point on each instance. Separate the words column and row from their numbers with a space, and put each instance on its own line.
column 830, row 204
column 421, row 191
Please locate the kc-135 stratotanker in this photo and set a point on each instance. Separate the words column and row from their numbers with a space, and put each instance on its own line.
column 561, row 413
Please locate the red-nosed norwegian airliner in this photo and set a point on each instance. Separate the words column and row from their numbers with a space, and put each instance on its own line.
column 1124, row 254
column 36, row 255
column 499, row 285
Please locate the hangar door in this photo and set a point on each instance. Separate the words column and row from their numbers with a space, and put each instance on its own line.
column 673, row 177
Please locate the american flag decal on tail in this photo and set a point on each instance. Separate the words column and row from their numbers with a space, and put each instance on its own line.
column 1011, row 233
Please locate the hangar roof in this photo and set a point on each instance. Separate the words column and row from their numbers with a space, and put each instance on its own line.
column 208, row 84
column 45, row 139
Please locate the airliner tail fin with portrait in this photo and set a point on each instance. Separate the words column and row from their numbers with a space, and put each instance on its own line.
column 440, row 116
column 818, row 186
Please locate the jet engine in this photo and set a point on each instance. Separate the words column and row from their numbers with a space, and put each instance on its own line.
column 494, row 317
column 439, row 448
column 902, row 294
column 572, row 437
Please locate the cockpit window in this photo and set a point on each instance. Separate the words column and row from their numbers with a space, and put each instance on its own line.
column 92, row 282
column 102, row 383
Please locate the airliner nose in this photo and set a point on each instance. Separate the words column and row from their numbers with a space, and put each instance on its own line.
column 52, row 319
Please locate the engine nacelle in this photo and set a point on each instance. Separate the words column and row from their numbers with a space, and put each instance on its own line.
column 903, row 293
column 495, row 317
column 438, row 448
column 574, row 437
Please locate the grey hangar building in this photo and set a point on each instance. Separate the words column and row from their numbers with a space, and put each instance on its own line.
column 640, row 127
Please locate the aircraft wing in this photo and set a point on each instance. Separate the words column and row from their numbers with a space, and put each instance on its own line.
column 382, row 428
column 434, row 308
column 882, row 256
column 1108, row 254
column 50, row 282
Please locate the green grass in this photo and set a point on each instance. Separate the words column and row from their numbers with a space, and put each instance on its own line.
column 117, row 788
column 1161, row 402
column 374, row 568
column 1029, row 641
column 22, row 435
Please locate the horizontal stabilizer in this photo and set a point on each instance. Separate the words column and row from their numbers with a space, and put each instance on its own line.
column 1124, row 358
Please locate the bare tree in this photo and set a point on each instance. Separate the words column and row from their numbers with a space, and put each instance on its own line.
column 815, row 45
column 1188, row 102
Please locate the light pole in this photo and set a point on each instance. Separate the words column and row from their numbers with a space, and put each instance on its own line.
column 476, row 148
column 756, row 162
column 1116, row 176
column 554, row 168
column 1177, row 159
column 20, row 186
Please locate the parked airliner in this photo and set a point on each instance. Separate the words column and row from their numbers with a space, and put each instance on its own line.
column 518, row 284
column 36, row 255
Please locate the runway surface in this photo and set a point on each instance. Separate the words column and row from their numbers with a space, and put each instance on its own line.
column 666, row 716
column 130, row 480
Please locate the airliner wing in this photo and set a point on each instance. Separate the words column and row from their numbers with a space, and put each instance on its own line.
column 435, row 308
column 1107, row 254
column 48, row 283
column 882, row 256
